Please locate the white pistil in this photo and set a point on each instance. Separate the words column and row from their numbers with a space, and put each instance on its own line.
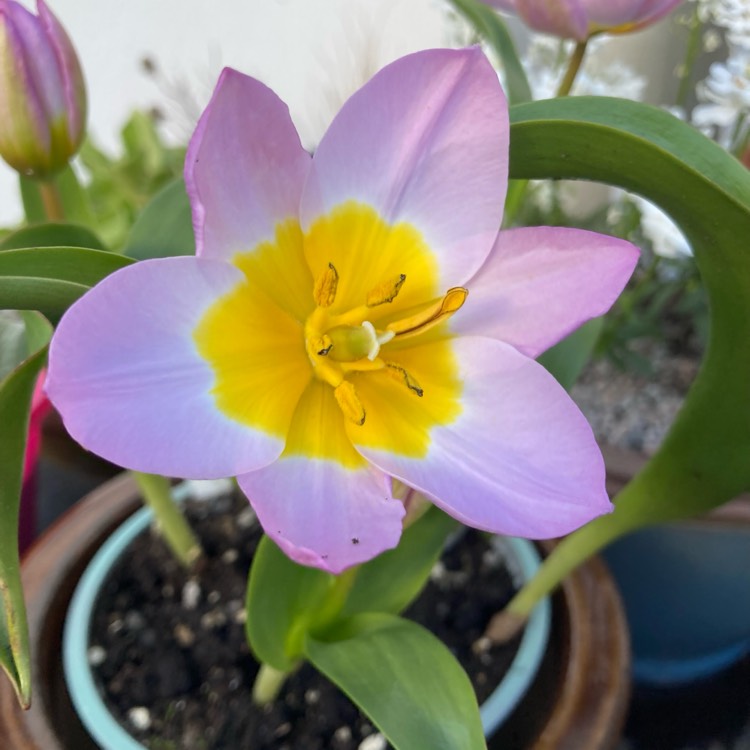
column 376, row 339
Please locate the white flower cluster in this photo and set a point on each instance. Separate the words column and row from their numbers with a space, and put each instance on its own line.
column 724, row 96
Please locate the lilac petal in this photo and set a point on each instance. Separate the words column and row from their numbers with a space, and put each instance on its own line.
column 126, row 376
column 565, row 18
column 244, row 168
column 520, row 459
column 541, row 283
column 321, row 502
column 425, row 141
column 323, row 514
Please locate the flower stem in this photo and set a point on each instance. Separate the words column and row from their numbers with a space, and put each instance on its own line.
column 176, row 530
column 574, row 65
column 268, row 683
column 692, row 50
column 52, row 200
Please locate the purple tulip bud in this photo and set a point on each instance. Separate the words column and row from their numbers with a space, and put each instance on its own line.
column 42, row 94
column 578, row 19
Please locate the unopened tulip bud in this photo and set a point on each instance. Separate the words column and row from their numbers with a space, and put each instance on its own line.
column 42, row 94
column 579, row 19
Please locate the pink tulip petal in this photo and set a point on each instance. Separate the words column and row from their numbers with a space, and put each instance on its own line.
column 244, row 168
column 565, row 18
column 125, row 374
column 541, row 283
column 520, row 459
column 323, row 514
column 425, row 141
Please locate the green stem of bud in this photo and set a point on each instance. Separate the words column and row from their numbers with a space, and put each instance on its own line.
column 52, row 200
column 574, row 65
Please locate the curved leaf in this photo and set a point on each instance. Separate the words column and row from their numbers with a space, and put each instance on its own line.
column 405, row 679
column 703, row 461
column 164, row 227
column 16, row 390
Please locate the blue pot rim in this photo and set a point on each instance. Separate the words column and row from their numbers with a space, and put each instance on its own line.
column 105, row 729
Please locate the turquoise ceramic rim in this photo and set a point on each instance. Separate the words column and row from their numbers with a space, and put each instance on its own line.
column 106, row 731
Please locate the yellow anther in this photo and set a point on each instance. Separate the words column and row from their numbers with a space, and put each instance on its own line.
column 430, row 316
column 324, row 291
column 347, row 399
column 403, row 376
column 385, row 292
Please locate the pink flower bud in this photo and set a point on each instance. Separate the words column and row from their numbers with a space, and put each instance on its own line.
column 42, row 94
column 579, row 19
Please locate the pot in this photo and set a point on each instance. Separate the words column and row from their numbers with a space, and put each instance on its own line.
column 686, row 598
column 587, row 623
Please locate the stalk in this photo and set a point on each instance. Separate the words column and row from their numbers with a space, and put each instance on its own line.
column 574, row 65
column 268, row 684
column 177, row 532
column 692, row 50
column 51, row 200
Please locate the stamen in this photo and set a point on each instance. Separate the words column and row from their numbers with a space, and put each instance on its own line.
column 385, row 292
column 322, row 345
column 324, row 291
column 430, row 316
column 347, row 399
column 403, row 376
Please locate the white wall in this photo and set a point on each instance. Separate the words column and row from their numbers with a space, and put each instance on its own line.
column 298, row 47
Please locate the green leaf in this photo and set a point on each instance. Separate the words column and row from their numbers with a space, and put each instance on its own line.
column 703, row 461
column 16, row 390
column 50, row 279
column 404, row 679
column 52, row 235
column 282, row 599
column 75, row 203
column 391, row 581
column 567, row 358
column 165, row 227
column 492, row 28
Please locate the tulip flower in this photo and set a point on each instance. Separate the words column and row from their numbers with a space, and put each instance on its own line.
column 351, row 318
column 42, row 95
column 579, row 19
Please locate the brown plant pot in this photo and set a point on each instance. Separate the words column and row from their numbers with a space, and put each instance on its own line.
column 578, row 700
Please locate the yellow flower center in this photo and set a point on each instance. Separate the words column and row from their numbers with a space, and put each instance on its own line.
column 364, row 351
column 347, row 342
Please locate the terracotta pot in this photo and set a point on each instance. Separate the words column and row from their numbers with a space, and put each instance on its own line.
column 578, row 701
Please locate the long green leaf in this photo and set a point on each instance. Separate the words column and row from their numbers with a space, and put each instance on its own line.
column 52, row 235
column 567, row 358
column 164, row 227
column 491, row 27
column 391, row 581
column 404, row 679
column 50, row 279
column 16, row 390
column 703, row 461
column 280, row 604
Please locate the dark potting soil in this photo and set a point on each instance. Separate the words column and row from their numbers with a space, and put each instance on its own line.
column 169, row 654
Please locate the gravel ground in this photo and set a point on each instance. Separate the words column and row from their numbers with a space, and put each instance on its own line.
column 634, row 411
